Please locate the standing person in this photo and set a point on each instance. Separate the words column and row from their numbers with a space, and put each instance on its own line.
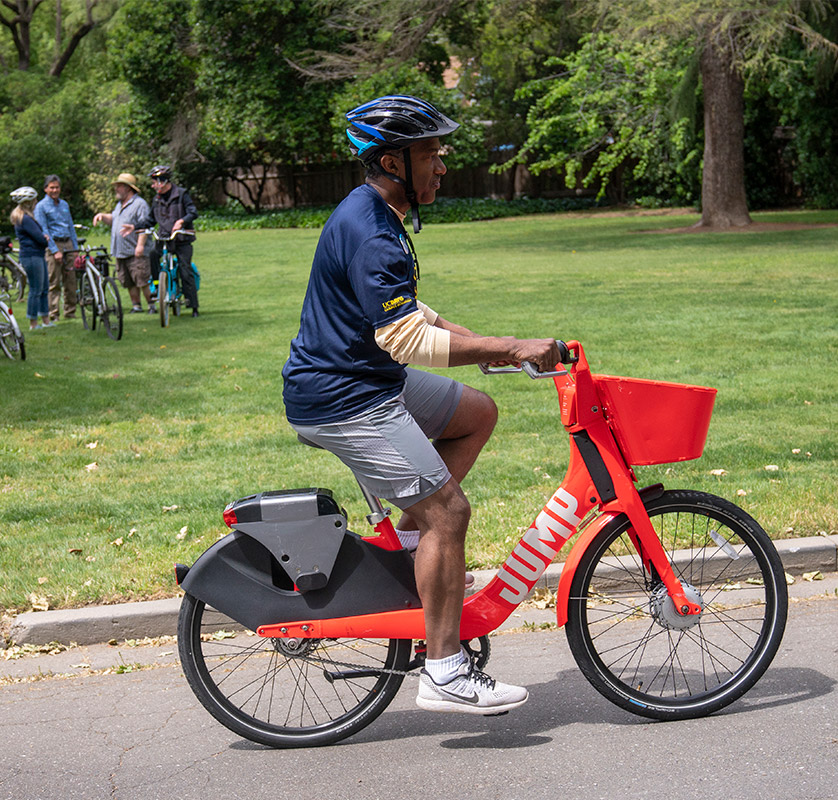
column 53, row 215
column 172, row 209
column 132, row 264
column 346, row 387
column 33, row 243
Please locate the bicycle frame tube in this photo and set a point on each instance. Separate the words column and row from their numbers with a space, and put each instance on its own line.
column 94, row 277
column 597, row 477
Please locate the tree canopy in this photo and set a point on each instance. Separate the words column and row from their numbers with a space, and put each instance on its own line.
column 726, row 103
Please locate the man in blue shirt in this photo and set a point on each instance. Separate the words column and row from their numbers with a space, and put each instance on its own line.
column 53, row 215
column 347, row 389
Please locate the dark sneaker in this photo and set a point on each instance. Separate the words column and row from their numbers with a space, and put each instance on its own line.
column 152, row 309
column 194, row 312
column 470, row 692
column 136, row 310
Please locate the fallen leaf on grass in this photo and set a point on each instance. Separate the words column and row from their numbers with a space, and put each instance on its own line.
column 90, row 467
column 772, row 468
column 169, row 508
column 92, row 445
column 118, row 542
column 183, row 531
column 75, row 551
column 42, row 581
column 38, row 375
column 718, row 472
column 741, row 493
column 38, row 602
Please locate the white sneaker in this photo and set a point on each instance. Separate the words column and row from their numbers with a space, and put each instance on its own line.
column 470, row 692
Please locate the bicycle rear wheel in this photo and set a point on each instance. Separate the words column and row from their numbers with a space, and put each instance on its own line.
column 112, row 311
column 163, row 299
column 87, row 301
column 631, row 643
column 286, row 692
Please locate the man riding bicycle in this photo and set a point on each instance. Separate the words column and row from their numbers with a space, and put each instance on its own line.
column 347, row 389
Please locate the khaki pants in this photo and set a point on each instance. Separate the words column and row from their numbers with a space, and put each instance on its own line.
column 61, row 273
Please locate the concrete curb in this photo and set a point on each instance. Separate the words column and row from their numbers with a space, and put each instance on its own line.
column 97, row 624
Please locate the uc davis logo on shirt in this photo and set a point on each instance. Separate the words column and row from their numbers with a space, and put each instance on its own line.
column 389, row 305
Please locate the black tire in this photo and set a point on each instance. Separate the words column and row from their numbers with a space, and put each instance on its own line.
column 265, row 691
column 88, row 303
column 112, row 312
column 637, row 651
column 10, row 344
column 163, row 299
column 16, row 279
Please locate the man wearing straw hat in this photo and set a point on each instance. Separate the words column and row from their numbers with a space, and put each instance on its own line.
column 132, row 264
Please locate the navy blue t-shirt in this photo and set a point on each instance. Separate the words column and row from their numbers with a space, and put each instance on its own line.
column 363, row 277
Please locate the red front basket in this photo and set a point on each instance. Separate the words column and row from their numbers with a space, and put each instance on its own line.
column 656, row 422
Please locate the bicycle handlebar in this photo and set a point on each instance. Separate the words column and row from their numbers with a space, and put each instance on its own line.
column 565, row 357
column 158, row 238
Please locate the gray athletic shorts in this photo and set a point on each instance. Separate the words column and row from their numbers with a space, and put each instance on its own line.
column 387, row 447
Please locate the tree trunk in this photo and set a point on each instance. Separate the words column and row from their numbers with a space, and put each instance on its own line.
column 723, row 202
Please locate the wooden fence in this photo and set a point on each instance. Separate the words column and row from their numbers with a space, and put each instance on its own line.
column 317, row 185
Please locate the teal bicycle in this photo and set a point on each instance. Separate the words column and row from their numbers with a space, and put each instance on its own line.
column 169, row 290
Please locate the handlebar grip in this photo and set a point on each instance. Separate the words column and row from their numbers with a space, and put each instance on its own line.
column 565, row 356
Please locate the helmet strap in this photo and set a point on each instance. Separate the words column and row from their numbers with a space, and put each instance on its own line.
column 410, row 192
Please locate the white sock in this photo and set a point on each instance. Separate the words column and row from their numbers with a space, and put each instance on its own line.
column 443, row 670
column 409, row 539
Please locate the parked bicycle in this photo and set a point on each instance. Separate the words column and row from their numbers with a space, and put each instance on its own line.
column 11, row 337
column 674, row 601
column 11, row 271
column 169, row 290
column 98, row 293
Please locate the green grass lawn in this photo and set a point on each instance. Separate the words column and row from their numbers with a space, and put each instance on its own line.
column 191, row 416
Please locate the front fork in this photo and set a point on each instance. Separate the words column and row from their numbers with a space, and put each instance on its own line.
column 622, row 497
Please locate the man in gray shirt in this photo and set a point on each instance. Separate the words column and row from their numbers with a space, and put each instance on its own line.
column 132, row 264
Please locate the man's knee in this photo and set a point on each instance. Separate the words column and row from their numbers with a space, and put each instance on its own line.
column 476, row 413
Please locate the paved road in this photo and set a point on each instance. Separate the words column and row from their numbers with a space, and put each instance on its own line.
column 138, row 734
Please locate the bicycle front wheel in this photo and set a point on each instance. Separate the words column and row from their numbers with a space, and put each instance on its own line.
column 631, row 643
column 112, row 311
column 286, row 692
column 10, row 343
column 163, row 299
column 17, row 279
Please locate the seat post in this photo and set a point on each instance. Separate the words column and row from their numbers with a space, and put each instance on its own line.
column 379, row 513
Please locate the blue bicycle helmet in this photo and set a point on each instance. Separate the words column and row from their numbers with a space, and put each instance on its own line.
column 394, row 122
column 391, row 123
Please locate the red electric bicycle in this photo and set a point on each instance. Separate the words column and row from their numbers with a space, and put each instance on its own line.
column 295, row 631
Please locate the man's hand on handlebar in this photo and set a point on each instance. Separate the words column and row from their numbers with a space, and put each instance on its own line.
column 544, row 353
